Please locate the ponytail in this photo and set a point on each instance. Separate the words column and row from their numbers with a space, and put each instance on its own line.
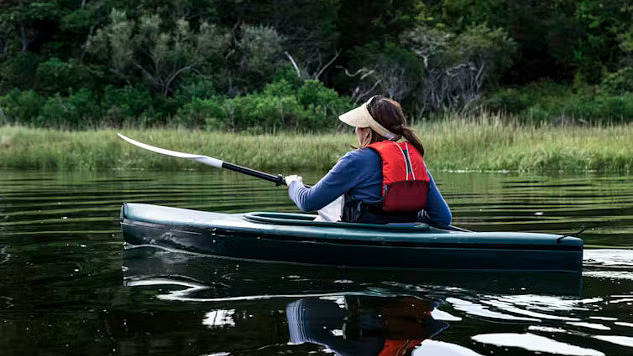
column 413, row 139
column 388, row 113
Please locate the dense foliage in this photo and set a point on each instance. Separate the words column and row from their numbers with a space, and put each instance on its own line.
column 267, row 65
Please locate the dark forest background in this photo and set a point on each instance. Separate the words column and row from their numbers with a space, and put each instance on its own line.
column 268, row 65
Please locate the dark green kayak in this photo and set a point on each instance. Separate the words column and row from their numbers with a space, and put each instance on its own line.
column 295, row 238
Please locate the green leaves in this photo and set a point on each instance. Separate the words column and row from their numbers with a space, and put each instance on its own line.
column 152, row 50
column 281, row 105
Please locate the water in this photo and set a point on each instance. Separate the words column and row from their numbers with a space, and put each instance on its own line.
column 68, row 286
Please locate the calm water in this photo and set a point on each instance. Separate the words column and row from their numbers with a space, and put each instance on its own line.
column 68, row 285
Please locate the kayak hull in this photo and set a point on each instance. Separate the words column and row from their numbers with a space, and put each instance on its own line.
column 238, row 236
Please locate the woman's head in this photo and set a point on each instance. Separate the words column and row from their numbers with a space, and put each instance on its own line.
column 387, row 113
column 380, row 119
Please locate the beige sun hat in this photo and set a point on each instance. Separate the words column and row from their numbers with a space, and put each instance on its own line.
column 360, row 117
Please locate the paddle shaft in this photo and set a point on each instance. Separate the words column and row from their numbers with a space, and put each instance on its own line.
column 278, row 179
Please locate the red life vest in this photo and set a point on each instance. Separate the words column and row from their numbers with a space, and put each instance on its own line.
column 399, row 347
column 405, row 181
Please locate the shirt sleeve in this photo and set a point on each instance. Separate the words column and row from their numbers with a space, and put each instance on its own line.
column 339, row 180
column 437, row 209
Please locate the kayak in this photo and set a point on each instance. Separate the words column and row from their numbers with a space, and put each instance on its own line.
column 297, row 239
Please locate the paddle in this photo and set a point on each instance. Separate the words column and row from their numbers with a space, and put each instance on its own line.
column 209, row 161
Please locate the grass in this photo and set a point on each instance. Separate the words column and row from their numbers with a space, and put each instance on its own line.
column 490, row 144
column 27, row 148
column 456, row 143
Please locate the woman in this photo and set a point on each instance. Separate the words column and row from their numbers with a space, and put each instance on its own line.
column 383, row 180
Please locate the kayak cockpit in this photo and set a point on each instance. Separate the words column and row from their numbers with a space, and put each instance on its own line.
column 308, row 220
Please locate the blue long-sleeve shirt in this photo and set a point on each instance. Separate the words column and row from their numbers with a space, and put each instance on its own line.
column 359, row 173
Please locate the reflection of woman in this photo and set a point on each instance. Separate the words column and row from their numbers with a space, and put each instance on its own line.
column 375, row 326
column 382, row 181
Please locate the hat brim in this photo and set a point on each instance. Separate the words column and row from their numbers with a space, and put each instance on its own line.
column 358, row 117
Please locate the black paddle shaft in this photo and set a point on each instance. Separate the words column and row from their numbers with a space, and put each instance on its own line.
column 278, row 179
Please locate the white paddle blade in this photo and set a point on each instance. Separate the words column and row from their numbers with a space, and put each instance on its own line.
column 210, row 161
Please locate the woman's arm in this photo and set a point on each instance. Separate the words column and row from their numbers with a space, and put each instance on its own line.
column 338, row 181
column 436, row 207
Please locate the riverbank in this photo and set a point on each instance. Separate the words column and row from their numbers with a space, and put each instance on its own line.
column 454, row 144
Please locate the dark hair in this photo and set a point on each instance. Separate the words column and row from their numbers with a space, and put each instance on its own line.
column 388, row 113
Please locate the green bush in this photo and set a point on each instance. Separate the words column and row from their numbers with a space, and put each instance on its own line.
column 322, row 102
column 548, row 101
column 604, row 108
column 200, row 112
column 56, row 76
column 126, row 106
column 197, row 86
column 509, row 100
column 618, row 82
column 21, row 107
column 18, row 72
column 280, row 105
column 257, row 113
column 588, row 108
column 517, row 100
column 78, row 110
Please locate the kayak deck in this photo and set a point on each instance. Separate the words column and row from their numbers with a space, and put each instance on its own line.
column 295, row 238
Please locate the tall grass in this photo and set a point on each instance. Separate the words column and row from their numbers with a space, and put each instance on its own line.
column 27, row 148
column 456, row 143
column 490, row 143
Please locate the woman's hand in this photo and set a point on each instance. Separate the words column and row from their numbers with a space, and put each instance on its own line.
column 292, row 178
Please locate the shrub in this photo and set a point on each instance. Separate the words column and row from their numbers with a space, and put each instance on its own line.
column 257, row 113
column 280, row 105
column 324, row 103
column 196, row 86
column 508, row 100
column 56, row 76
column 200, row 112
column 618, row 82
column 18, row 72
column 604, row 108
column 126, row 106
column 79, row 110
column 548, row 101
column 21, row 107
column 594, row 109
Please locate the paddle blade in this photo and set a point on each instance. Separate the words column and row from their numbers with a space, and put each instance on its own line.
column 210, row 161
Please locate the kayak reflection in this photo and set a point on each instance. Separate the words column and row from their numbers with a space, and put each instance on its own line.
column 363, row 325
column 204, row 278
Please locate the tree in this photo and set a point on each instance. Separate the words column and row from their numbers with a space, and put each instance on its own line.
column 27, row 23
column 388, row 69
column 457, row 69
column 160, row 56
column 260, row 49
